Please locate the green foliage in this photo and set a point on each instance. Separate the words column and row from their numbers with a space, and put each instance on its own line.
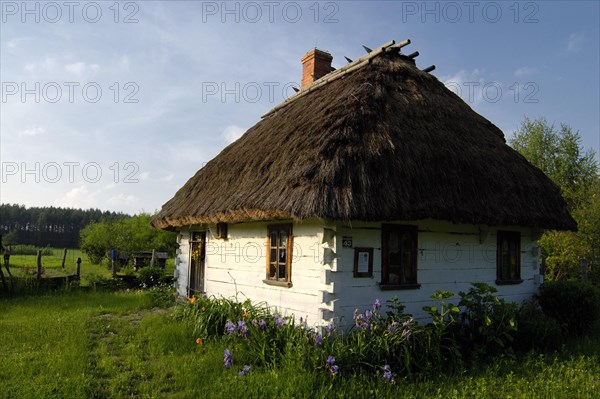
column 536, row 330
column 151, row 276
column 47, row 226
column 574, row 305
column 162, row 296
column 30, row 250
column 209, row 314
column 110, row 345
column 558, row 153
column 105, row 283
column 488, row 323
column 126, row 234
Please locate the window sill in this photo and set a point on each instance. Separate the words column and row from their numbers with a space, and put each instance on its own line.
column 390, row 287
column 508, row 282
column 286, row 284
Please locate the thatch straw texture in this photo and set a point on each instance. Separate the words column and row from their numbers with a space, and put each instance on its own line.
column 385, row 142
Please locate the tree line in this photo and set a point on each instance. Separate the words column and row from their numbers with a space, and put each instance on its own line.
column 48, row 226
column 558, row 152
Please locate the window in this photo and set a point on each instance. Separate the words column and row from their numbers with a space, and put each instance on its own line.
column 398, row 257
column 222, row 230
column 279, row 255
column 508, row 258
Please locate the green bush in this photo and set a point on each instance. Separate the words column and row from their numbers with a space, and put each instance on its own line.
column 210, row 314
column 151, row 276
column 487, row 324
column 162, row 297
column 574, row 305
column 105, row 283
column 535, row 329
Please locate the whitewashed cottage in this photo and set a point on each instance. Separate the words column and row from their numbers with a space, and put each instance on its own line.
column 373, row 181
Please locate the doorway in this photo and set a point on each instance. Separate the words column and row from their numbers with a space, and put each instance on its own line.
column 197, row 257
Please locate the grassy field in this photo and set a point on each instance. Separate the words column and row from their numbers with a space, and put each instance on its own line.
column 26, row 265
column 117, row 345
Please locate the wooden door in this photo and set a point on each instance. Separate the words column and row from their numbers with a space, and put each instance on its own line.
column 197, row 257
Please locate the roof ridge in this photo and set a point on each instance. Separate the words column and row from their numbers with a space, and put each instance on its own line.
column 338, row 73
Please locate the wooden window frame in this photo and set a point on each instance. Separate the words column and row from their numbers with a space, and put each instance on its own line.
column 514, row 238
column 221, row 231
column 287, row 282
column 357, row 252
column 385, row 283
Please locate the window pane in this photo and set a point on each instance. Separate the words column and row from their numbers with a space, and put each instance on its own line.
column 283, row 235
column 273, row 270
column 400, row 258
column 273, row 254
column 282, row 271
column 282, row 255
column 274, row 239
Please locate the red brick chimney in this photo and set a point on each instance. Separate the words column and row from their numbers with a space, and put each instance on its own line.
column 315, row 64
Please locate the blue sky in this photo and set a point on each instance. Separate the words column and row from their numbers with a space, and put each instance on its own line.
column 115, row 105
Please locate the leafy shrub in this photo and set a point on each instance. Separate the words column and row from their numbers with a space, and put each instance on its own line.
column 594, row 273
column 574, row 305
column 163, row 297
column 210, row 314
column 379, row 344
column 535, row 329
column 107, row 284
column 151, row 276
column 487, row 324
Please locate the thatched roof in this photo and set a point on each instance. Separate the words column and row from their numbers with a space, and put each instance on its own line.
column 384, row 142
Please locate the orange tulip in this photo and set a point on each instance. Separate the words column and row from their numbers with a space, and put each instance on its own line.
column 199, row 341
column 193, row 299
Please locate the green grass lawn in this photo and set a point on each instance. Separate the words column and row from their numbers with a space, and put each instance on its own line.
column 116, row 345
column 26, row 266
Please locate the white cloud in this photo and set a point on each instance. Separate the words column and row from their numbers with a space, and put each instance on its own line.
column 78, row 197
column 14, row 43
column 526, row 71
column 34, row 131
column 468, row 85
column 79, row 68
column 49, row 63
column 575, row 42
column 29, row 67
column 232, row 132
column 122, row 201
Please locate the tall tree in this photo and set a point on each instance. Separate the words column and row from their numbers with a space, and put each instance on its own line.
column 559, row 154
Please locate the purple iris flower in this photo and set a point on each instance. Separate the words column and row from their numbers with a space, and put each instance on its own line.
column 377, row 304
column 245, row 370
column 230, row 328
column 227, row 359
column 387, row 374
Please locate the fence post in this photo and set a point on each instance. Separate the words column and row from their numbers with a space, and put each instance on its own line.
column 64, row 258
column 39, row 264
column 152, row 259
column 113, row 257
column 7, row 253
column 78, row 268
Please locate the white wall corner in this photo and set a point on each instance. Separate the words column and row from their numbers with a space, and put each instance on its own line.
column 326, row 314
column 327, row 296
